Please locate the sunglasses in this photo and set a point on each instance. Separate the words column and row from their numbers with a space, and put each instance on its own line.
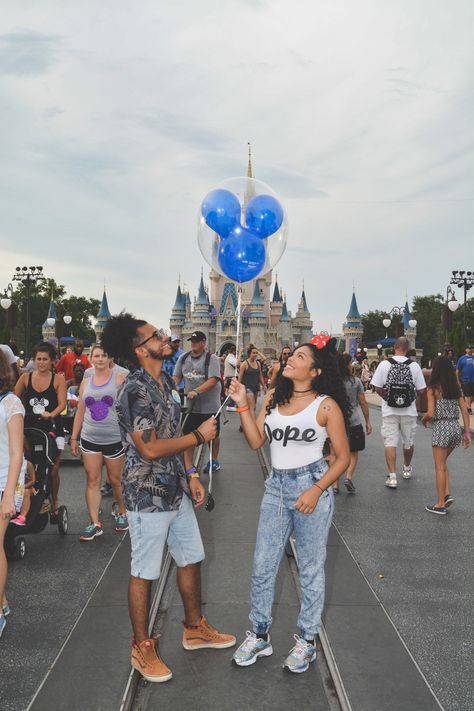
column 159, row 334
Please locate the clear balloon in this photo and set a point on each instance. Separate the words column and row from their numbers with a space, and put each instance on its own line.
column 258, row 205
column 242, row 255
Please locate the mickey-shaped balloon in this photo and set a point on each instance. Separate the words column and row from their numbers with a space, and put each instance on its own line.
column 242, row 251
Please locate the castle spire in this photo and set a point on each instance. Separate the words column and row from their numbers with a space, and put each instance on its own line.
column 353, row 314
column 249, row 167
column 104, row 311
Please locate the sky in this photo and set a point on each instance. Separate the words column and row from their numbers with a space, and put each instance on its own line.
column 118, row 117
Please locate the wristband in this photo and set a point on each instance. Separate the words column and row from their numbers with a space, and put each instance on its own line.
column 242, row 409
column 198, row 436
column 195, row 475
column 191, row 470
column 320, row 489
column 466, row 432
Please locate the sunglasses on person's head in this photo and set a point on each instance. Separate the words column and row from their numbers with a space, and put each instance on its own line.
column 159, row 334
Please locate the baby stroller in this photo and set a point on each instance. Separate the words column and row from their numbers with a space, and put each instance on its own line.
column 43, row 451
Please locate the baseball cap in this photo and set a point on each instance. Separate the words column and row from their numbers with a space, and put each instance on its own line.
column 197, row 336
column 174, row 337
column 10, row 356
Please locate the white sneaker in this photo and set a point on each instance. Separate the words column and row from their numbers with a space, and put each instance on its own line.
column 407, row 471
column 391, row 481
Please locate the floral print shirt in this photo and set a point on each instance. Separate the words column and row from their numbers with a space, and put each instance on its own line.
column 150, row 485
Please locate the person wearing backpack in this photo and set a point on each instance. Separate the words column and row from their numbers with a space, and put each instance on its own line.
column 398, row 381
column 201, row 371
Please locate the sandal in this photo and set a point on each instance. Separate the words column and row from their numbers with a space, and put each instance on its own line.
column 335, row 489
column 349, row 486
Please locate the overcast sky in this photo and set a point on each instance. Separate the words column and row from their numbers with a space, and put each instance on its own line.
column 118, row 117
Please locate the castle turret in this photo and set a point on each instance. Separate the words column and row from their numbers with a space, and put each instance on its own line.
column 284, row 327
column 276, row 305
column 178, row 313
column 103, row 316
column 353, row 329
column 201, row 316
column 302, row 323
column 257, row 321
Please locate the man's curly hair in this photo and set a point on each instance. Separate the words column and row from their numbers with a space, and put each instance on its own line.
column 329, row 382
column 119, row 337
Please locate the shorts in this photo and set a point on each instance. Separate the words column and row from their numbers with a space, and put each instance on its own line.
column 150, row 531
column 250, row 391
column 197, row 418
column 467, row 389
column 395, row 425
column 356, row 438
column 108, row 451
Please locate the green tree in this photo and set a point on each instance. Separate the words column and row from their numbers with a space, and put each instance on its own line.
column 428, row 311
column 458, row 340
column 81, row 309
column 374, row 330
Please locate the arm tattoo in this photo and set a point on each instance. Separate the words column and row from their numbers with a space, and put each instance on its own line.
column 146, row 436
column 327, row 407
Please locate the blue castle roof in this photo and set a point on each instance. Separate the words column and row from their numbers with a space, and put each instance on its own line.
column 104, row 312
column 284, row 313
column 276, row 293
column 303, row 301
column 52, row 313
column 180, row 302
column 406, row 316
column 353, row 314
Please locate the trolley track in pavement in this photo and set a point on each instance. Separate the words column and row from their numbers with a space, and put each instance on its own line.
column 332, row 682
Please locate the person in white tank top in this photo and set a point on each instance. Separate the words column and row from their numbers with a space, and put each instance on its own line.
column 308, row 404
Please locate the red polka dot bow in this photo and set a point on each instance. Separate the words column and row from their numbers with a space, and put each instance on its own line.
column 320, row 340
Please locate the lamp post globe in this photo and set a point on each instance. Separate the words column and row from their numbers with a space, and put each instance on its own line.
column 386, row 322
column 51, row 321
column 412, row 322
column 5, row 303
column 67, row 319
column 453, row 305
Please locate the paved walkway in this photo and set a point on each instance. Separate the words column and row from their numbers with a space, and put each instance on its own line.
column 399, row 612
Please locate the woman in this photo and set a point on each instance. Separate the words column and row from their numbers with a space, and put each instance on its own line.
column 12, row 467
column 44, row 397
column 250, row 374
column 444, row 402
column 358, row 403
column 100, row 443
column 278, row 368
column 305, row 408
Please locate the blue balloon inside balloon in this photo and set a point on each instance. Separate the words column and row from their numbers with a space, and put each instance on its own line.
column 241, row 255
column 264, row 215
column 221, row 210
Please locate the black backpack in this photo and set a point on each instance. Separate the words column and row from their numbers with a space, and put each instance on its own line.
column 399, row 387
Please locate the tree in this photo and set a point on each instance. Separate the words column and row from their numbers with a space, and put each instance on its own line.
column 374, row 329
column 428, row 311
column 82, row 310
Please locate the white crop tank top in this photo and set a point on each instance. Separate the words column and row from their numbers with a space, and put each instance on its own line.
column 295, row 440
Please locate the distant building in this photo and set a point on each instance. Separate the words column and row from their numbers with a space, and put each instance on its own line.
column 102, row 317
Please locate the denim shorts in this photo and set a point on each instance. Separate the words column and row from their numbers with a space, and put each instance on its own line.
column 150, row 531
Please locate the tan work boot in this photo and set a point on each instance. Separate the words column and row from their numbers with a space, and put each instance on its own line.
column 204, row 636
column 147, row 661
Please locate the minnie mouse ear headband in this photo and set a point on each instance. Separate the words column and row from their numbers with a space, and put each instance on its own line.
column 320, row 340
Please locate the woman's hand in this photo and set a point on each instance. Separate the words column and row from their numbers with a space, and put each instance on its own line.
column 306, row 502
column 74, row 447
column 197, row 490
column 425, row 419
column 7, row 506
column 46, row 415
column 368, row 428
column 238, row 392
column 466, row 440
column 208, row 429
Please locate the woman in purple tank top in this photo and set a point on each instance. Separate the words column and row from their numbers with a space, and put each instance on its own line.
column 100, row 441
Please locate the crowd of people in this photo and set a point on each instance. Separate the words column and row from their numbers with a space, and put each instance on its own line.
column 314, row 416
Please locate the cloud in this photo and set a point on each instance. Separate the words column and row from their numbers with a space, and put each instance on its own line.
column 27, row 53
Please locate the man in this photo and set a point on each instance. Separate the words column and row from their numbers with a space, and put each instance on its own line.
column 170, row 362
column 465, row 374
column 201, row 371
column 68, row 361
column 230, row 365
column 157, row 493
column 398, row 385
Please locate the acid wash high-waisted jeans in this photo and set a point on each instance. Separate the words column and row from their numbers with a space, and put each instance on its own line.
column 278, row 518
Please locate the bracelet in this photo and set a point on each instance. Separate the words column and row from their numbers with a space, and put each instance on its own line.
column 194, row 475
column 73, row 439
column 197, row 393
column 198, row 436
column 466, row 432
column 191, row 470
column 242, row 409
column 320, row 489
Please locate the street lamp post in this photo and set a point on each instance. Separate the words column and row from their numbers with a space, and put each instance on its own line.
column 464, row 280
column 28, row 276
column 451, row 305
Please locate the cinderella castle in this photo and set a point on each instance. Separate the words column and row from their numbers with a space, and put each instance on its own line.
column 266, row 321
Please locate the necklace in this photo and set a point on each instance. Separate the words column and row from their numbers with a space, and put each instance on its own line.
column 303, row 391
